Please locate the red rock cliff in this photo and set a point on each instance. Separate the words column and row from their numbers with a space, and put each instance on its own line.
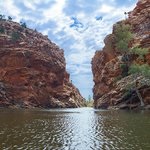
column 33, row 70
column 106, row 63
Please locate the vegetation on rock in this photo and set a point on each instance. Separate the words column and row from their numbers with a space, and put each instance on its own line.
column 23, row 24
column 141, row 52
column 2, row 30
column 33, row 71
column 2, row 17
column 9, row 18
column 121, row 70
column 15, row 36
column 142, row 69
column 123, row 38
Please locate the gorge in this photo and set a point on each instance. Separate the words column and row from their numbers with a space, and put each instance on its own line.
column 33, row 69
column 41, row 107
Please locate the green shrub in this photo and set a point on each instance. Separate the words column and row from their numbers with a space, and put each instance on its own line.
column 15, row 36
column 2, row 17
column 23, row 24
column 123, row 36
column 141, row 52
column 9, row 18
column 129, row 88
column 2, row 30
column 142, row 69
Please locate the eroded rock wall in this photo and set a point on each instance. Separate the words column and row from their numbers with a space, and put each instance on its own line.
column 109, row 90
column 33, row 71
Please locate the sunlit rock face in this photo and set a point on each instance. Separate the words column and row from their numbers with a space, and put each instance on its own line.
column 139, row 18
column 33, row 71
column 109, row 90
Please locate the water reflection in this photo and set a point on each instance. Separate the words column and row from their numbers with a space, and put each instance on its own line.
column 74, row 129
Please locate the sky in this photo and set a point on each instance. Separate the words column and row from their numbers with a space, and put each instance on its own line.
column 77, row 26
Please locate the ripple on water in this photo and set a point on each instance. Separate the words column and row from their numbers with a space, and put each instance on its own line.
column 74, row 129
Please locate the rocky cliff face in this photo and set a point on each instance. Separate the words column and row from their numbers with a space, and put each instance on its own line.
column 108, row 89
column 33, row 70
column 139, row 18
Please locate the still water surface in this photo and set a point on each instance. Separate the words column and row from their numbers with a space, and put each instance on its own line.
column 74, row 129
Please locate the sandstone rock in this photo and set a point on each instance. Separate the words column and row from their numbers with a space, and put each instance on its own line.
column 109, row 90
column 139, row 18
column 33, row 71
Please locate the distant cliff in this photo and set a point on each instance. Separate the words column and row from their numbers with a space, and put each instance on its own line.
column 110, row 89
column 33, row 70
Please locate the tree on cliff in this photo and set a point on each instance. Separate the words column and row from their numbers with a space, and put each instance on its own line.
column 143, row 70
column 2, row 17
column 9, row 18
column 23, row 24
column 123, row 38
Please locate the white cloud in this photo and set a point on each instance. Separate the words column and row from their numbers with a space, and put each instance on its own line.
column 106, row 8
column 85, row 41
column 29, row 4
column 8, row 8
column 45, row 32
column 39, row 1
column 55, row 12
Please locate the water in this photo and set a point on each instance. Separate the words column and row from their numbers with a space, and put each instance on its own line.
column 74, row 129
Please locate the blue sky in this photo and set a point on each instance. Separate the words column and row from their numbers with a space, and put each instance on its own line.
column 77, row 26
